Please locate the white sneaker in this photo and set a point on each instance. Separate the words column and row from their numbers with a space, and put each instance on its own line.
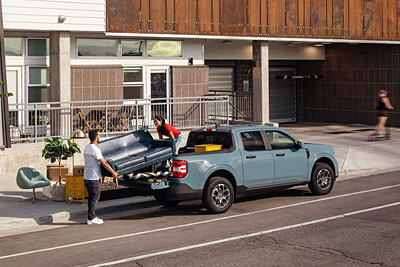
column 96, row 220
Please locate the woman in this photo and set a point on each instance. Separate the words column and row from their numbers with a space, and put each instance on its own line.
column 169, row 131
column 382, row 109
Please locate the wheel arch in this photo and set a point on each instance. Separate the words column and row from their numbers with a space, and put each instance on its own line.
column 223, row 173
column 324, row 160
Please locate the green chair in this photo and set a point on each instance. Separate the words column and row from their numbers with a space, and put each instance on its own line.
column 30, row 178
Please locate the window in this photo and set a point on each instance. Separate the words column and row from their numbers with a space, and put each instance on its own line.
column 133, row 83
column 164, row 48
column 38, row 47
column 253, row 141
column 97, row 48
column 38, row 84
column 280, row 140
column 13, row 46
column 132, row 48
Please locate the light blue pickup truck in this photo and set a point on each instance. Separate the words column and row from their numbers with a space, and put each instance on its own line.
column 253, row 158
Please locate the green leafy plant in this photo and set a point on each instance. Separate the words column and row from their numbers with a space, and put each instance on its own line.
column 5, row 94
column 56, row 150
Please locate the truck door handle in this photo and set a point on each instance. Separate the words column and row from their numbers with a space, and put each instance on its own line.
column 280, row 155
column 251, row 157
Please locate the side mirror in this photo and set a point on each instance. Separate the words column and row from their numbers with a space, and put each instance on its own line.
column 298, row 144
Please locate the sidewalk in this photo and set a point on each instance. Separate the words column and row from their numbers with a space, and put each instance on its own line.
column 356, row 157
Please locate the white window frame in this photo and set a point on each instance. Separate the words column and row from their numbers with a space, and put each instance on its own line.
column 182, row 50
column 144, row 49
column 27, row 47
column 22, row 47
column 28, row 84
column 118, row 49
column 142, row 83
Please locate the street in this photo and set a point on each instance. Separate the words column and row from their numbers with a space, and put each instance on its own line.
column 357, row 224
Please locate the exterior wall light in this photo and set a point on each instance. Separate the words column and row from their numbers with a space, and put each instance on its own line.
column 61, row 18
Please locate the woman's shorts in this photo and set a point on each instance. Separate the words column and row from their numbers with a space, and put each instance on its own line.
column 382, row 113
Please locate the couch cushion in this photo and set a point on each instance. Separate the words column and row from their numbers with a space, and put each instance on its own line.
column 135, row 149
column 157, row 152
column 116, row 154
column 128, row 162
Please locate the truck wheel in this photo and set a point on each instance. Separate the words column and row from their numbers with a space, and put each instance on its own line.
column 218, row 195
column 322, row 179
column 162, row 200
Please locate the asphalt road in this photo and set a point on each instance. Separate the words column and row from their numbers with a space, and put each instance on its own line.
column 357, row 224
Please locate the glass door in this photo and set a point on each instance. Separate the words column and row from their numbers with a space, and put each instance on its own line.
column 14, row 86
column 158, row 93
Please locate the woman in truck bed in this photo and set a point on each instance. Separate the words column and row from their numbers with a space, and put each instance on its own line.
column 168, row 130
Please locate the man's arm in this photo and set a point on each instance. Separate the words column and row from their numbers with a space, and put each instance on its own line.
column 108, row 167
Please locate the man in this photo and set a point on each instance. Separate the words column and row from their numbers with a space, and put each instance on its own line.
column 93, row 158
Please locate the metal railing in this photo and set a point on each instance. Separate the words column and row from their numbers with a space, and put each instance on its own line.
column 36, row 121
column 241, row 104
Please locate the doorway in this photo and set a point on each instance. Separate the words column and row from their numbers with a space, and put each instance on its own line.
column 14, row 86
column 158, row 92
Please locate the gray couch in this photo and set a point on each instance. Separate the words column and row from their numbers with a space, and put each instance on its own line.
column 134, row 151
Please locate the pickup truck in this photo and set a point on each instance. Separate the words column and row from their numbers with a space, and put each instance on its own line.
column 253, row 158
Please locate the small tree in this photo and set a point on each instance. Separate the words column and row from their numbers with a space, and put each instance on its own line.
column 5, row 94
column 55, row 150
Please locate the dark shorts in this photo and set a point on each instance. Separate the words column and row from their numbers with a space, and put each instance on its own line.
column 382, row 113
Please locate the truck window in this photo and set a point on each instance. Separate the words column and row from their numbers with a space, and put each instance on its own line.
column 220, row 138
column 280, row 140
column 253, row 141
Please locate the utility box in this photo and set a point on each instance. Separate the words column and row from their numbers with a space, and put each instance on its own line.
column 53, row 171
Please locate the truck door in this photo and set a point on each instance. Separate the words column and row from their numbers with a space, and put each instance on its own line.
column 290, row 161
column 258, row 161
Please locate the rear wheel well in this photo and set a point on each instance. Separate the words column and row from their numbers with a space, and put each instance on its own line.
column 226, row 174
column 327, row 161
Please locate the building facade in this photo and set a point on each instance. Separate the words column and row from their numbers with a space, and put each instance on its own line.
column 282, row 61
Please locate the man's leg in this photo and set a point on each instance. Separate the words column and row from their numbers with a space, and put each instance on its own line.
column 94, row 190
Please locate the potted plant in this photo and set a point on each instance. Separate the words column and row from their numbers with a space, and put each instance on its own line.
column 56, row 150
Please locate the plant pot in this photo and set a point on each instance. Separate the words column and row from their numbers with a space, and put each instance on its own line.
column 58, row 192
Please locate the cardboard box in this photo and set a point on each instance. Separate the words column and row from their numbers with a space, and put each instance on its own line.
column 78, row 170
column 53, row 171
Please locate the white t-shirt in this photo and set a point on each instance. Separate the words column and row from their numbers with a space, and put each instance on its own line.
column 92, row 154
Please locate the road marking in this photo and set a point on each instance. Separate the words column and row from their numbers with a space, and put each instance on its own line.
column 206, row 244
column 194, row 223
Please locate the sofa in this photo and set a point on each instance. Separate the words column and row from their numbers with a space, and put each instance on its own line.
column 134, row 151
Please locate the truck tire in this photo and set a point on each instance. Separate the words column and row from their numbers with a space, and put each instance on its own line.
column 163, row 201
column 218, row 195
column 322, row 179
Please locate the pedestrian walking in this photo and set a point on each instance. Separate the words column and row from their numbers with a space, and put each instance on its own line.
column 165, row 129
column 383, row 105
column 92, row 174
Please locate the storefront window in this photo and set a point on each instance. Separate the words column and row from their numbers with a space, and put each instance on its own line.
column 13, row 46
column 164, row 48
column 132, row 48
column 38, row 47
column 97, row 48
column 38, row 84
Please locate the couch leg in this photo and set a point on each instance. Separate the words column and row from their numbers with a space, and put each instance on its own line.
column 33, row 197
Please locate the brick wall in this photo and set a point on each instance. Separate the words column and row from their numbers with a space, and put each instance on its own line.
column 188, row 81
column 352, row 76
column 90, row 83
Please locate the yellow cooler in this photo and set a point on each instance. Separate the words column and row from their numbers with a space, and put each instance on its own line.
column 207, row 147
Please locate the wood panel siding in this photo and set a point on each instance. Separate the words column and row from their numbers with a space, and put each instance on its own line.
column 322, row 19
column 42, row 15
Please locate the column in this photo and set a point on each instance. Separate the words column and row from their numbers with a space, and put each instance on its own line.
column 260, row 82
column 60, row 81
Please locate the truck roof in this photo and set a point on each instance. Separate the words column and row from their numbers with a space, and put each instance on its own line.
column 230, row 128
